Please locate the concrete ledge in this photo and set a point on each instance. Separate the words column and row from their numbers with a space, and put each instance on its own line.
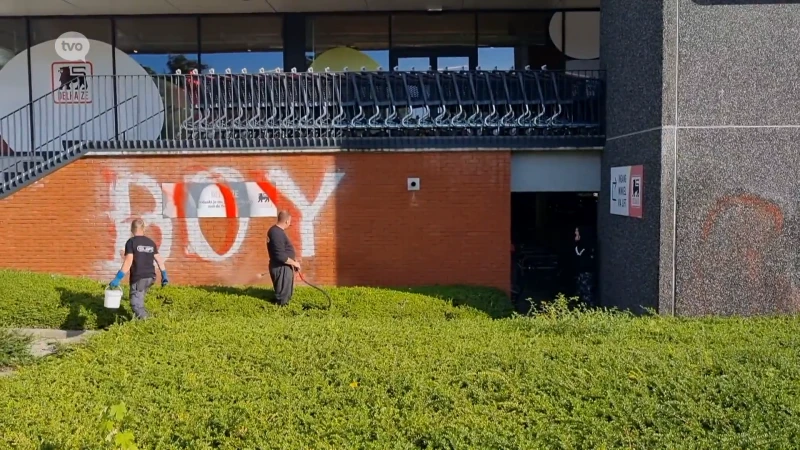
column 41, row 333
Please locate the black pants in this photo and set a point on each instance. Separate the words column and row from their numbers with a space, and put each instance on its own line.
column 283, row 283
column 585, row 283
column 138, row 291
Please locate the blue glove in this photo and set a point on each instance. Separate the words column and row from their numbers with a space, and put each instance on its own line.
column 115, row 282
column 164, row 280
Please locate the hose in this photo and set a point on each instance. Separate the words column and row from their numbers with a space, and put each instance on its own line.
column 261, row 275
column 317, row 288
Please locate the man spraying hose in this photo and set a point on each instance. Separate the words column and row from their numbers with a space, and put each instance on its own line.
column 282, row 263
column 140, row 253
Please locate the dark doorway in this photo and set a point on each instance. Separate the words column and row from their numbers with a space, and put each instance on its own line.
column 542, row 237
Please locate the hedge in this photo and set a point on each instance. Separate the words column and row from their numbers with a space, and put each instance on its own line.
column 589, row 380
column 50, row 301
column 407, row 370
column 14, row 349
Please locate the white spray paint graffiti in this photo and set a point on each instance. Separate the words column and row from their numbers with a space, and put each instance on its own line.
column 308, row 211
column 119, row 194
column 198, row 244
column 121, row 214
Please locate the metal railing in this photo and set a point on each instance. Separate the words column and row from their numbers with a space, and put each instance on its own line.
column 304, row 109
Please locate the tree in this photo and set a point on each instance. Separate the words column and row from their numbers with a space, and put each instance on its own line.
column 184, row 64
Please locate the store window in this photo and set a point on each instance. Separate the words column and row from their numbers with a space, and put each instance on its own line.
column 241, row 42
column 352, row 41
column 44, row 30
column 433, row 30
column 13, row 39
column 14, row 91
column 582, row 46
column 162, row 45
column 507, row 40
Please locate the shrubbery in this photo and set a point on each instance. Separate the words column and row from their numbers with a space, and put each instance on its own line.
column 411, row 371
column 14, row 349
column 50, row 301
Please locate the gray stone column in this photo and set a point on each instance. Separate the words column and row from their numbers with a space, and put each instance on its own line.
column 705, row 94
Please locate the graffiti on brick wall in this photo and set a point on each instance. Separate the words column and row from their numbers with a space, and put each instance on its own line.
column 166, row 195
column 745, row 261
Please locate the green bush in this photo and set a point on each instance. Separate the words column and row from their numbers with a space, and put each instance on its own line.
column 14, row 349
column 51, row 301
column 582, row 380
column 223, row 368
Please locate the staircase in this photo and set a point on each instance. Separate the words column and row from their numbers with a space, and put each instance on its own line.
column 43, row 136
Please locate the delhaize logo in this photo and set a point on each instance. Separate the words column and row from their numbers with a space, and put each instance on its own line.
column 71, row 80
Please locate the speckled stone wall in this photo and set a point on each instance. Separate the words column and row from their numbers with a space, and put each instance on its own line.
column 723, row 82
column 630, row 250
column 738, row 158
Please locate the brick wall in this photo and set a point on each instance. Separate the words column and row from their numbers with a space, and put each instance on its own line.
column 370, row 231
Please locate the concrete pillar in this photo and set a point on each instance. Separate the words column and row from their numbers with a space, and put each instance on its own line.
column 704, row 94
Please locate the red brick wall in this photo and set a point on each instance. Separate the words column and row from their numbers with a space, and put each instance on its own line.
column 371, row 230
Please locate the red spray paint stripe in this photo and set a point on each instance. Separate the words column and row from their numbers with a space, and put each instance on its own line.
column 232, row 226
column 229, row 199
column 180, row 198
column 270, row 190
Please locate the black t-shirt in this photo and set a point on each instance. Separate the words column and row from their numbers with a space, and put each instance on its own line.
column 144, row 250
column 279, row 246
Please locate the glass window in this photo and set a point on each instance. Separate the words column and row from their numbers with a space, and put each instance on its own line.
column 507, row 40
column 242, row 42
column 43, row 30
column 352, row 41
column 582, row 42
column 15, row 125
column 160, row 44
column 433, row 30
column 13, row 39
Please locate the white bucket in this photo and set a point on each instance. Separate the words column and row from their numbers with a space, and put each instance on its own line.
column 112, row 298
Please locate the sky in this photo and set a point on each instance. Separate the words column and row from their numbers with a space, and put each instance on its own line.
column 488, row 58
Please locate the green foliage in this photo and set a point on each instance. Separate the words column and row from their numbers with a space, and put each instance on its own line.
column 50, row 301
column 123, row 440
column 14, row 349
column 400, row 370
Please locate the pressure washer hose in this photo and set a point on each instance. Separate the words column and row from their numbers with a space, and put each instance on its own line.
column 317, row 288
column 261, row 275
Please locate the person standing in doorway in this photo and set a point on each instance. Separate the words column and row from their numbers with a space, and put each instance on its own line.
column 584, row 264
column 282, row 263
column 140, row 254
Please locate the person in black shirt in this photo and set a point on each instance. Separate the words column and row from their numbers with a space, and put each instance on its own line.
column 584, row 264
column 140, row 253
column 282, row 263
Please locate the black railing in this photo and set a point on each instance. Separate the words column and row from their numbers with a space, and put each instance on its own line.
column 479, row 108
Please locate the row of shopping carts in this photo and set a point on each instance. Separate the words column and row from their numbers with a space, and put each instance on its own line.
column 415, row 103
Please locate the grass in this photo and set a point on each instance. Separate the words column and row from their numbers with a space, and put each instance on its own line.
column 393, row 369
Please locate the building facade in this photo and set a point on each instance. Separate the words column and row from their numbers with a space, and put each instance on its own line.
column 415, row 143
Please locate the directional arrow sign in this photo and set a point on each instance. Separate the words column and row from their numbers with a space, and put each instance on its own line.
column 627, row 187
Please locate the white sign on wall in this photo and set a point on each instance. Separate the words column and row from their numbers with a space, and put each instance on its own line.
column 627, row 191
